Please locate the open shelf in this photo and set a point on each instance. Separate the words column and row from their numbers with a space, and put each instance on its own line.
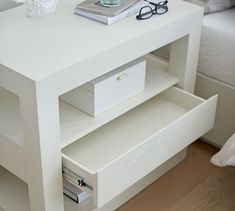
column 14, row 195
column 76, row 124
column 13, row 192
column 10, row 121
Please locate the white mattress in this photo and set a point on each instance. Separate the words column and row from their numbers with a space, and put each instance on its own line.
column 217, row 52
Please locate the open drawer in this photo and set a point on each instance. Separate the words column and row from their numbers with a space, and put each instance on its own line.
column 118, row 154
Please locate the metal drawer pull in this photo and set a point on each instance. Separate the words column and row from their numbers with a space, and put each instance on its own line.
column 123, row 76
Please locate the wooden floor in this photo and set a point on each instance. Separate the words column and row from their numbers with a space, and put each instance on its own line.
column 193, row 185
column 1, row 209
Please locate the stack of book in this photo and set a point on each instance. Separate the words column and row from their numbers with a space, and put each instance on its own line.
column 92, row 9
column 74, row 192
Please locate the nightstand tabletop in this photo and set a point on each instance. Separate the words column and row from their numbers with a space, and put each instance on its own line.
column 41, row 47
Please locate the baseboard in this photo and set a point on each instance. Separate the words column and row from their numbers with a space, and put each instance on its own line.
column 225, row 114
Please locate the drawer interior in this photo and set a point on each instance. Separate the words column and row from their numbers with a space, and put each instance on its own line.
column 116, row 138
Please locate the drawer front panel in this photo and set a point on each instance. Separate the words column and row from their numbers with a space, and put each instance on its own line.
column 138, row 163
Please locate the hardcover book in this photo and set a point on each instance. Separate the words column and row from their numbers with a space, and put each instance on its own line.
column 73, row 192
column 94, row 6
column 109, row 20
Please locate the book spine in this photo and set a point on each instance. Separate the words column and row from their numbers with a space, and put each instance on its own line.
column 75, row 195
column 92, row 17
column 71, row 195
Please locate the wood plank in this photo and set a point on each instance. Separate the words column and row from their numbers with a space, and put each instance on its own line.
column 1, row 209
column 215, row 193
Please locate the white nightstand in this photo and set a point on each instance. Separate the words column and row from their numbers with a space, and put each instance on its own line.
column 43, row 58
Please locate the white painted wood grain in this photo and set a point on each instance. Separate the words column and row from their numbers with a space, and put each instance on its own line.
column 53, row 43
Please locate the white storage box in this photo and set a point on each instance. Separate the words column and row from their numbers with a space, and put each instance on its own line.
column 110, row 89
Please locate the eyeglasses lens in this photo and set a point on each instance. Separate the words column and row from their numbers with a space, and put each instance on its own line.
column 161, row 10
column 146, row 12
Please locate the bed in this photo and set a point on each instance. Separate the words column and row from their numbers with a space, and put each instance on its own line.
column 226, row 156
column 216, row 71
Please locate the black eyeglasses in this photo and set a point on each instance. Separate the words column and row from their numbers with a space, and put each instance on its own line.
column 147, row 11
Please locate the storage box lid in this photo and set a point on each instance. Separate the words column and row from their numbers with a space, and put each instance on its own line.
column 89, row 86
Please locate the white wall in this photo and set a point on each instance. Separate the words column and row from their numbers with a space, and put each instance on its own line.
column 6, row 4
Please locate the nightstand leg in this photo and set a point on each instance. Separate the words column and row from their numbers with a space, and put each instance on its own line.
column 184, row 57
column 40, row 118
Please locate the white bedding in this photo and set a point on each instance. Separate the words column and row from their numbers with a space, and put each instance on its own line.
column 217, row 52
column 226, row 156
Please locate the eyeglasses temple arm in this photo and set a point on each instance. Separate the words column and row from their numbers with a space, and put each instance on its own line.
column 156, row 4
